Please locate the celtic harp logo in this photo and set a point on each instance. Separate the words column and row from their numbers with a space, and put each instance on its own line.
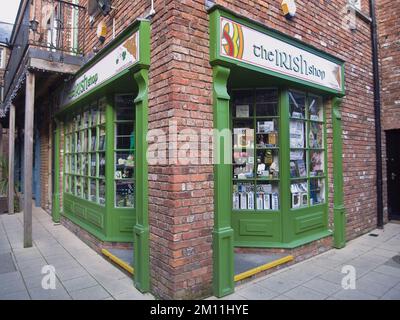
column 232, row 40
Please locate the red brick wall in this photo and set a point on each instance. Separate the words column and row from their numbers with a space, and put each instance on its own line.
column 389, row 52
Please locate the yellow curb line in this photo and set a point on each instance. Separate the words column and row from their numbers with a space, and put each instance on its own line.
column 262, row 268
column 117, row 260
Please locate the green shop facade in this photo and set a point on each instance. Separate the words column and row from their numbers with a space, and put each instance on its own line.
column 270, row 185
column 103, row 121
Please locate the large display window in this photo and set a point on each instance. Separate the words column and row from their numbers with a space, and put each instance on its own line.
column 278, row 164
column 255, row 167
column 85, row 153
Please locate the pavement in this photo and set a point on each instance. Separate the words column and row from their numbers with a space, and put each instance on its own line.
column 82, row 274
column 368, row 258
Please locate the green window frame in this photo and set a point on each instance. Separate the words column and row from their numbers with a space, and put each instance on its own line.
column 124, row 151
column 255, row 119
column 259, row 184
column 307, row 164
column 85, row 153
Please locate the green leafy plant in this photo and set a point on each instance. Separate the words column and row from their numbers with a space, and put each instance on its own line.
column 4, row 182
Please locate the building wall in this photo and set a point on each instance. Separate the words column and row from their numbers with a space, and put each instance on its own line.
column 389, row 54
column 180, row 92
column 389, row 40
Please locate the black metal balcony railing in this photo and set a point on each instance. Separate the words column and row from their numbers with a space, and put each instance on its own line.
column 55, row 28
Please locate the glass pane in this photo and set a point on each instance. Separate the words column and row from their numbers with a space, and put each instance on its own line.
column 102, row 138
column 317, row 191
column 317, row 164
column 78, row 187
column 102, row 192
column 124, row 142
column 92, row 190
column 243, row 196
column 243, row 104
column 243, row 134
column 315, row 110
column 85, row 119
column 267, row 164
column 102, row 165
column 93, row 165
column 85, row 165
column 316, row 135
column 299, row 194
column 124, row 129
column 85, row 141
column 297, row 134
column 297, row 104
column 93, row 117
column 79, row 142
column 298, row 164
column 73, row 166
column 102, row 111
column 124, row 165
column 267, row 197
column 78, row 164
column 85, row 188
column 267, row 103
column 67, row 143
column 73, row 185
column 124, row 194
column 93, row 140
column 67, row 183
column 73, row 142
column 267, row 133
column 125, row 107
column 243, row 164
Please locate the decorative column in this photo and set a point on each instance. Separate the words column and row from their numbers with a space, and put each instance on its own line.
column 56, row 195
column 339, row 212
column 11, row 151
column 223, row 255
column 141, row 228
column 28, row 157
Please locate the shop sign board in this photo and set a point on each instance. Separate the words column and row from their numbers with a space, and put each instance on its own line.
column 247, row 45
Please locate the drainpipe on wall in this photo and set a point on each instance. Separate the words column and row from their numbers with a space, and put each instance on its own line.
column 377, row 107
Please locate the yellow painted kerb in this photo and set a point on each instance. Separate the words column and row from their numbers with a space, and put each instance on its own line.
column 117, row 260
column 262, row 268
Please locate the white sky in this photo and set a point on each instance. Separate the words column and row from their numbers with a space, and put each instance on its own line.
column 8, row 10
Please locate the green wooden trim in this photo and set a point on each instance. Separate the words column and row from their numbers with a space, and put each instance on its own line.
column 223, row 256
column 143, row 26
column 56, row 194
column 218, row 11
column 284, row 163
column 141, row 228
column 289, row 245
column 129, row 30
column 109, row 163
column 339, row 211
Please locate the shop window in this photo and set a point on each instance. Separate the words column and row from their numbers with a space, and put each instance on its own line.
column 124, row 153
column 255, row 129
column 307, row 150
column 85, row 154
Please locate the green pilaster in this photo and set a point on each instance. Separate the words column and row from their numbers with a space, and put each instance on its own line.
column 339, row 213
column 141, row 228
column 223, row 278
column 109, row 162
column 56, row 195
column 284, row 165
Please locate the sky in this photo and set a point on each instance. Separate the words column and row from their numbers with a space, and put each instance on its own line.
column 8, row 10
